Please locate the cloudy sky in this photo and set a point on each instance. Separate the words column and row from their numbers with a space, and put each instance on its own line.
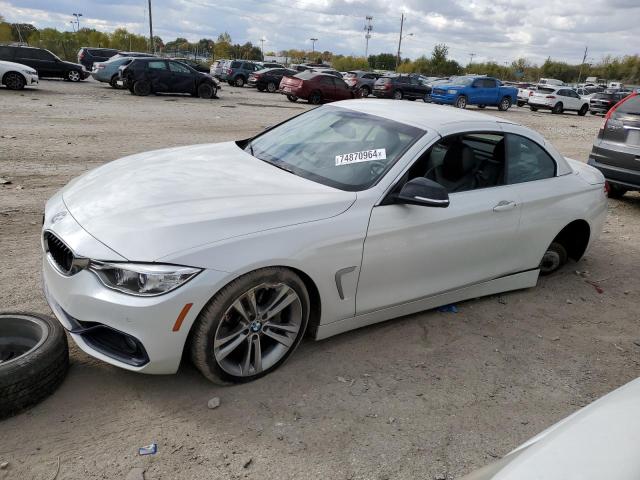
column 498, row 30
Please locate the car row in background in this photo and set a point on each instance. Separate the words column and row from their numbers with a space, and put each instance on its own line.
column 316, row 88
column 269, row 78
column 475, row 90
column 45, row 63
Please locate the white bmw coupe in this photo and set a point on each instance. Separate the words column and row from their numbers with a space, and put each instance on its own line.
column 347, row 215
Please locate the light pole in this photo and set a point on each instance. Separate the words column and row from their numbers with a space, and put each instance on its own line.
column 262, row 47
column 77, row 15
column 400, row 41
column 313, row 45
column 367, row 28
column 73, row 25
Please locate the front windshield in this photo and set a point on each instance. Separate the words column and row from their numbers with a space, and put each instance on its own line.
column 335, row 146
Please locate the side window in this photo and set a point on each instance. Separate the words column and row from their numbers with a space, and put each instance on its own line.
column 527, row 161
column 464, row 162
column 43, row 55
column 157, row 66
column 176, row 67
column 489, row 83
column 6, row 53
column 328, row 81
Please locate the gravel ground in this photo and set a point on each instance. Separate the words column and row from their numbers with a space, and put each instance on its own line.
column 432, row 395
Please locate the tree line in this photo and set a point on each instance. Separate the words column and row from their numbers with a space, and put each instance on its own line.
column 67, row 44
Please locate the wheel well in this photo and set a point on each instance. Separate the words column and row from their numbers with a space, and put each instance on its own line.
column 575, row 238
column 12, row 71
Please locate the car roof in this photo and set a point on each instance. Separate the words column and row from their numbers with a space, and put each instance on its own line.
column 424, row 116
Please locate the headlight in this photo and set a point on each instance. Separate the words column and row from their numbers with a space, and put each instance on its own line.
column 30, row 72
column 142, row 279
column 452, row 92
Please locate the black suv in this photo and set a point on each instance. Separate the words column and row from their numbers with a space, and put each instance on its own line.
column 616, row 149
column 44, row 62
column 402, row 86
column 155, row 75
column 87, row 55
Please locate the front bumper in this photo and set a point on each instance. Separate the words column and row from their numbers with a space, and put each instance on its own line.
column 80, row 302
column 32, row 79
column 445, row 98
column 382, row 93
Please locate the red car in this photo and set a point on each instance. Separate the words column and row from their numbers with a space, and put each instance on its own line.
column 316, row 88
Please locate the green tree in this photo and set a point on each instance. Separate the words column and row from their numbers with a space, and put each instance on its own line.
column 344, row 64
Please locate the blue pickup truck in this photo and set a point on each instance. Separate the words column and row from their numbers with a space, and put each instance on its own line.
column 471, row 90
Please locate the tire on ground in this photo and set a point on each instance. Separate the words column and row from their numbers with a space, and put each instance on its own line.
column 201, row 337
column 28, row 379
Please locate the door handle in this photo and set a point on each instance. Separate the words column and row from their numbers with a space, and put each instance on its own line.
column 504, row 205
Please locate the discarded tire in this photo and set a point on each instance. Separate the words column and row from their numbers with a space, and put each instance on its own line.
column 34, row 358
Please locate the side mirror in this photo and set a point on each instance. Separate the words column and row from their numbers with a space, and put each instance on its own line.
column 424, row 192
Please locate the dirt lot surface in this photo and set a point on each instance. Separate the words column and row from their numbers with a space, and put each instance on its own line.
column 432, row 395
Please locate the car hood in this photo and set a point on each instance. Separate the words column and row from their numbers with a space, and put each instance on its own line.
column 596, row 442
column 154, row 204
column 20, row 66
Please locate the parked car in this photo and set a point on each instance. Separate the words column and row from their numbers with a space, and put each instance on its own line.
column 525, row 90
column 475, row 90
column 344, row 216
column 217, row 67
column 558, row 100
column 550, row 82
column 329, row 71
column 316, row 88
column 601, row 103
column 270, row 65
column 44, row 62
column 155, row 75
column 361, row 80
column 616, row 149
column 236, row 72
column 588, row 91
column 132, row 55
column 108, row 72
column 596, row 442
column 87, row 56
column 401, row 86
column 200, row 67
column 16, row 76
column 269, row 78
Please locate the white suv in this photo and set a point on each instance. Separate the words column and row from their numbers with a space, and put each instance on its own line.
column 558, row 99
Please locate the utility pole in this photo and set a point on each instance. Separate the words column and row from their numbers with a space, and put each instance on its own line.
column 77, row 15
column 262, row 47
column 367, row 28
column 152, row 44
column 584, row 59
column 313, row 45
column 471, row 55
column 400, row 41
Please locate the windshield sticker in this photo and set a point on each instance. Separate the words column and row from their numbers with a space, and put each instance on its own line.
column 363, row 156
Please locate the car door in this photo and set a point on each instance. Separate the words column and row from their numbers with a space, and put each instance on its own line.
column 412, row 252
column 531, row 171
column 342, row 91
column 182, row 79
column 476, row 93
column 159, row 75
column 327, row 87
column 489, row 91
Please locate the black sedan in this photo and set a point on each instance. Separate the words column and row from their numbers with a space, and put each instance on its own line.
column 269, row 78
column 155, row 75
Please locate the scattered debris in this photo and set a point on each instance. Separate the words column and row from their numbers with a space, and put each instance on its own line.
column 569, row 301
column 177, row 449
column 8, row 136
column 148, row 449
column 595, row 285
column 4, row 181
column 440, row 476
column 555, row 339
column 502, row 300
column 448, row 308
column 618, row 347
column 247, row 463
column 391, row 420
column 4, row 465
column 627, row 292
column 636, row 343
column 19, row 187
column 342, row 380
column 136, row 473
column 492, row 454
column 213, row 403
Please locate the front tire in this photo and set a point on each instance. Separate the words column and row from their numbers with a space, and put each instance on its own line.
column 505, row 104
column 14, row 81
column 533, row 109
column 239, row 81
column 461, row 102
column 397, row 95
column 583, row 111
column 251, row 326
column 554, row 258
column 365, row 91
column 74, row 76
column 315, row 98
column 206, row 91
column 272, row 87
column 292, row 98
column 114, row 82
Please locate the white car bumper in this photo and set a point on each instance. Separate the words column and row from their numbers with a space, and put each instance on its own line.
column 135, row 333
column 32, row 79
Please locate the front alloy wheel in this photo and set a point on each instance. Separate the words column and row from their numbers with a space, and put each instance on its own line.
column 251, row 326
column 271, row 87
column 14, row 81
column 461, row 102
column 73, row 75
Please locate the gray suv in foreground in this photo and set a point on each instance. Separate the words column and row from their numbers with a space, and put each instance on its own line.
column 616, row 149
